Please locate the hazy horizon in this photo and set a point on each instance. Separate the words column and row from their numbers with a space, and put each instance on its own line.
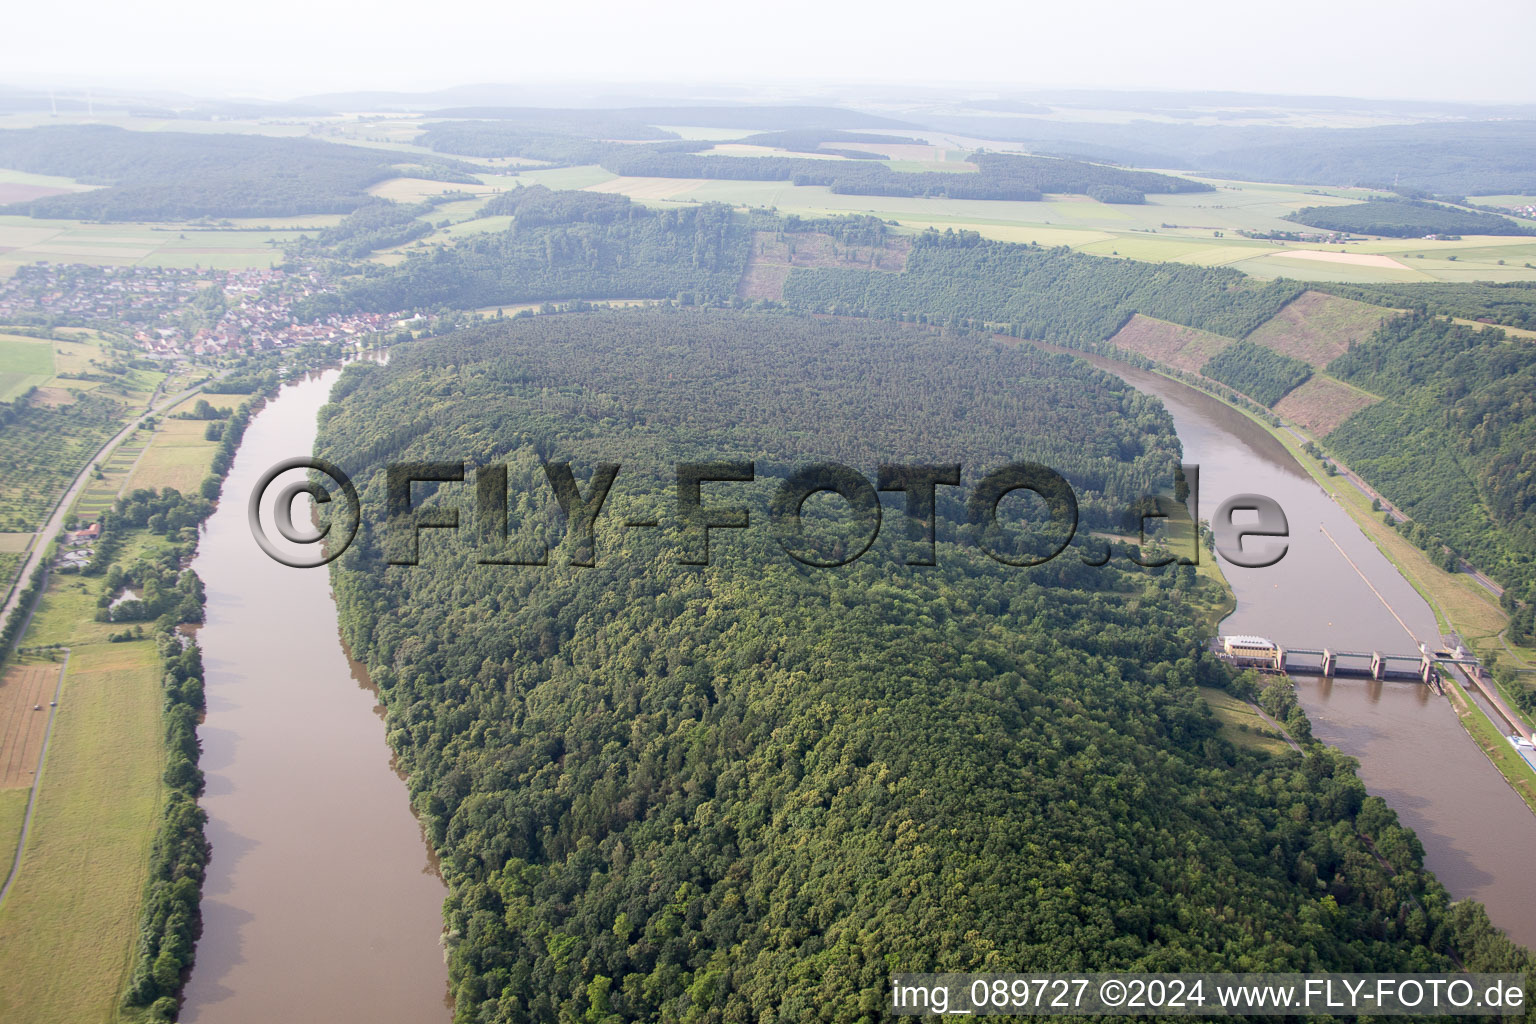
column 797, row 48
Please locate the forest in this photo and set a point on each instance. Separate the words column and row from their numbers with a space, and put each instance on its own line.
column 153, row 176
column 1049, row 294
column 1261, row 373
column 585, row 245
column 1506, row 303
column 1454, row 444
column 753, row 790
column 1407, row 218
column 563, row 245
column 998, row 175
column 377, row 224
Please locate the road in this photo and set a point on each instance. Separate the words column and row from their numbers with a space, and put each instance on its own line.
column 61, row 511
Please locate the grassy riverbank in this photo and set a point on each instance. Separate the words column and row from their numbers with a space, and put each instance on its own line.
column 1460, row 604
column 1519, row 773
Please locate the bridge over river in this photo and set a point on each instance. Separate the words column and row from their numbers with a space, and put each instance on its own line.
column 1424, row 666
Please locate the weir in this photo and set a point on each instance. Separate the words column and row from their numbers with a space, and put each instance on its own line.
column 1425, row 666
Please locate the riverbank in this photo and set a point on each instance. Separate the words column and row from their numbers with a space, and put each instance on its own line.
column 1459, row 604
column 113, row 833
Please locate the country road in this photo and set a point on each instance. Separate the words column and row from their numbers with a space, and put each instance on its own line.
column 61, row 511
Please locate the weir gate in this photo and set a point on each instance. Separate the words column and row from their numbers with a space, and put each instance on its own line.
column 1425, row 665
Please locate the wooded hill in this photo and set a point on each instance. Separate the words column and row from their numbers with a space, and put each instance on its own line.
column 753, row 791
column 998, row 175
column 563, row 245
column 1454, row 444
column 181, row 176
column 1407, row 218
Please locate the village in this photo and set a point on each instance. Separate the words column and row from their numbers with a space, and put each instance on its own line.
column 182, row 312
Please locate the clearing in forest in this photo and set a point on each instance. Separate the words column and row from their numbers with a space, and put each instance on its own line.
column 1318, row 328
column 775, row 254
column 1186, row 348
column 1322, row 403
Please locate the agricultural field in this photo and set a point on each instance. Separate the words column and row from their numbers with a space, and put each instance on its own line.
column 64, row 425
column 13, row 548
column 20, row 186
column 13, row 812
column 27, row 685
column 25, row 363
column 76, row 898
column 110, row 477
column 26, row 240
column 178, row 456
column 1201, row 228
column 413, row 190
column 42, row 451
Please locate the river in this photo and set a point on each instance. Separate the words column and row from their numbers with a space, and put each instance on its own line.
column 321, row 902
column 1478, row 834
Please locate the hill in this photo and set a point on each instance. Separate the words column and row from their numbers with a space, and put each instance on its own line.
column 1405, row 218
column 753, row 790
column 181, row 176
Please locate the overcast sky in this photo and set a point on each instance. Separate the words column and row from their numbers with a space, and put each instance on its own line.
column 1477, row 50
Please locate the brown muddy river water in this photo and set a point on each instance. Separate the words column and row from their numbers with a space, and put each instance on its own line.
column 1478, row 835
column 322, row 903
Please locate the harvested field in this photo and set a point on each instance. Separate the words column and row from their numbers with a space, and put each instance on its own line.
column 1322, row 403
column 11, row 193
column 23, row 688
column 1186, row 348
column 1318, row 328
column 774, row 255
column 1358, row 259
column 646, row 188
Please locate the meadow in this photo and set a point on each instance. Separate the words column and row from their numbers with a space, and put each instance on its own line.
column 76, row 898
column 24, row 363
column 178, row 454
column 1242, row 724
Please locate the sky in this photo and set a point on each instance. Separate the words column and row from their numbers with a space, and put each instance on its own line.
column 1476, row 50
